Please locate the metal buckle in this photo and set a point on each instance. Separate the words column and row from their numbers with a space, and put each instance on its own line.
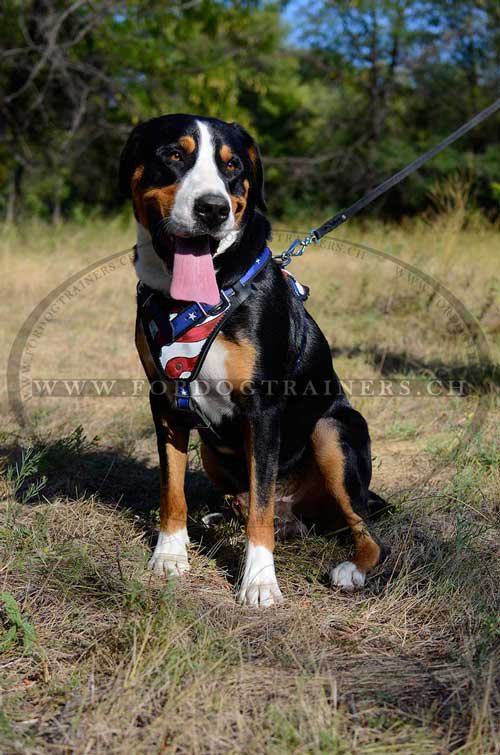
column 222, row 306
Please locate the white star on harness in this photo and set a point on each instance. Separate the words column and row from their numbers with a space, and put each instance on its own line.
column 192, row 315
column 183, row 391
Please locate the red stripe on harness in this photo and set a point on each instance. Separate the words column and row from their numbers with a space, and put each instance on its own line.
column 199, row 332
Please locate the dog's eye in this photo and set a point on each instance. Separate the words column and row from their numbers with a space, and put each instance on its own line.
column 233, row 166
column 175, row 155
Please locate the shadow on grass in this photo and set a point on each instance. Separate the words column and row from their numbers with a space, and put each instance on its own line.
column 468, row 378
column 73, row 467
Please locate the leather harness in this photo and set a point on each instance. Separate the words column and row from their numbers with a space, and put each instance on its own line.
column 179, row 339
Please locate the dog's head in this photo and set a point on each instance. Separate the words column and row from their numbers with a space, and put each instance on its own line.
column 194, row 182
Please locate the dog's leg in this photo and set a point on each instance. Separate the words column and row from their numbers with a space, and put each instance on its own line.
column 259, row 586
column 343, row 481
column 170, row 556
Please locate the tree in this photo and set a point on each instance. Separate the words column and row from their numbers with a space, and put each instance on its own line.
column 364, row 88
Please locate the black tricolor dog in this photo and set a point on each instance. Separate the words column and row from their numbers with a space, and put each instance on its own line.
column 283, row 437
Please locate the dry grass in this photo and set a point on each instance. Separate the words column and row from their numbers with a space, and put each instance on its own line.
column 122, row 662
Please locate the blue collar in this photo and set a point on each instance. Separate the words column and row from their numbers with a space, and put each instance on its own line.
column 179, row 342
column 197, row 312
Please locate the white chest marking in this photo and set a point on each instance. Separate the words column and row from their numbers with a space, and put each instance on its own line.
column 212, row 390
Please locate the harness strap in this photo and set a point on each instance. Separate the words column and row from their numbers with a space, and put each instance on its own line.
column 302, row 293
column 180, row 341
column 197, row 312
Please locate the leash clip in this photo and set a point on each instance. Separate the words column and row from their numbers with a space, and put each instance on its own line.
column 296, row 249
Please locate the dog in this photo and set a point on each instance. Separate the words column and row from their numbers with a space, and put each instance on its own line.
column 282, row 438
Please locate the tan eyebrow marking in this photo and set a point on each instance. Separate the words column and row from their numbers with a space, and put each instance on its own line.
column 187, row 143
column 225, row 153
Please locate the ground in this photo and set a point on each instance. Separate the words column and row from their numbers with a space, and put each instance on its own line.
column 97, row 655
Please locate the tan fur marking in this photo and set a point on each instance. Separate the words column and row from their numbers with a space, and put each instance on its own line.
column 239, row 203
column 367, row 551
column 260, row 526
column 173, row 508
column 225, row 153
column 163, row 197
column 188, row 144
column 240, row 362
column 137, row 175
column 331, row 463
column 137, row 195
column 260, row 522
column 330, row 459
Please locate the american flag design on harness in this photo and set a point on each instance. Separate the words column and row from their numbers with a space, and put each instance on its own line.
column 179, row 337
column 179, row 359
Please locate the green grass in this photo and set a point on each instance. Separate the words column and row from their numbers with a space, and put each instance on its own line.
column 126, row 661
column 96, row 655
column 401, row 429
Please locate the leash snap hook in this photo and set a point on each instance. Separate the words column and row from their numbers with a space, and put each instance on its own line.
column 296, row 249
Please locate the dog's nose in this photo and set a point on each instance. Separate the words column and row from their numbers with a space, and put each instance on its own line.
column 212, row 209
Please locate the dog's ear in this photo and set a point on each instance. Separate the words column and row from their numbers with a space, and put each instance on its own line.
column 253, row 151
column 130, row 158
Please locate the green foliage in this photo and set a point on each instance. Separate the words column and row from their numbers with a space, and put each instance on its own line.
column 20, row 475
column 17, row 628
column 28, row 477
column 340, row 98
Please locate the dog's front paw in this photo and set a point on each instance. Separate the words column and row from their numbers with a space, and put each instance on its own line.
column 170, row 558
column 347, row 576
column 259, row 586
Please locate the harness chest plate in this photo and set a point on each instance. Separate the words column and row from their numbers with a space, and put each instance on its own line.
column 179, row 339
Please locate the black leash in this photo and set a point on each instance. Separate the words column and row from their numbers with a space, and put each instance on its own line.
column 299, row 245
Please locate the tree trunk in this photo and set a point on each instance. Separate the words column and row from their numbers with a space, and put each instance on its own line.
column 14, row 194
column 56, row 207
column 56, row 211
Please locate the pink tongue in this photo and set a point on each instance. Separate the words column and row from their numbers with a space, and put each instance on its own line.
column 193, row 276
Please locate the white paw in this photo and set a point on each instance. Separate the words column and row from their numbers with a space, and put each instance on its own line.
column 259, row 586
column 347, row 576
column 170, row 558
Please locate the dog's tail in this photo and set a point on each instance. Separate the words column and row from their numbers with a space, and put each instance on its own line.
column 377, row 506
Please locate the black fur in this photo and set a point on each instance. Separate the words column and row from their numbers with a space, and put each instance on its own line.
column 149, row 144
column 289, row 343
